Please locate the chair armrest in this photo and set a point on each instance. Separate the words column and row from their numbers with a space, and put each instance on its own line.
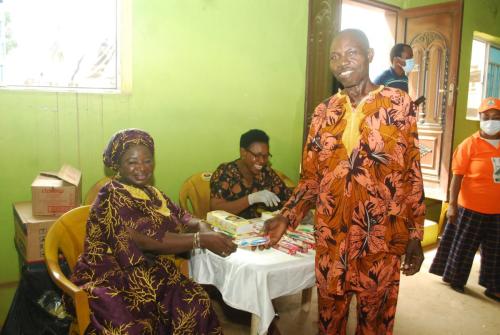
column 61, row 280
column 79, row 296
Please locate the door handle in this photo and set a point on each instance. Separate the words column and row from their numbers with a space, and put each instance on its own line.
column 450, row 91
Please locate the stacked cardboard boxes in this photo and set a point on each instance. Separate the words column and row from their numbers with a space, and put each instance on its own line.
column 53, row 194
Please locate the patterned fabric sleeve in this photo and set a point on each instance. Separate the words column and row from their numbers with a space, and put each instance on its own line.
column 304, row 195
column 220, row 183
column 114, row 213
column 415, row 199
column 182, row 216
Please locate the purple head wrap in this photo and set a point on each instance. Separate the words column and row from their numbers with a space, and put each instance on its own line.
column 123, row 140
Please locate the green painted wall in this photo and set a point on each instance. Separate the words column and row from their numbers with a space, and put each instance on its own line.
column 203, row 73
column 405, row 4
column 397, row 3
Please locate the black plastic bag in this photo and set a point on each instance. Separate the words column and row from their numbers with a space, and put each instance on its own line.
column 26, row 315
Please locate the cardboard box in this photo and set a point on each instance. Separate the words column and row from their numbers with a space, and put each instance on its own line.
column 30, row 232
column 55, row 193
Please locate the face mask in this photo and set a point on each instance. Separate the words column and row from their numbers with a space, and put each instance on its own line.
column 410, row 63
column 490, row 127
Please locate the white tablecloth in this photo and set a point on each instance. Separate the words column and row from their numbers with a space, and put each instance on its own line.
column 249, row 280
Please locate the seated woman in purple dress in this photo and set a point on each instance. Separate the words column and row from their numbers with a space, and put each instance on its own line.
column 133, row 288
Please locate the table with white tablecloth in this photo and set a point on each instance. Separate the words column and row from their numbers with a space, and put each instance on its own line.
column 249, row 280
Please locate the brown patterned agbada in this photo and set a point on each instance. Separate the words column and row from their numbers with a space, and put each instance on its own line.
column 368, row 193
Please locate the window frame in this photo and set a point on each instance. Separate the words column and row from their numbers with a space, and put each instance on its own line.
column 123, row 57
column 488, row 40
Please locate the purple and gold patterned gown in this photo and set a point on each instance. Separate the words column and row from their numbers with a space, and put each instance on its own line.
column 131, row 292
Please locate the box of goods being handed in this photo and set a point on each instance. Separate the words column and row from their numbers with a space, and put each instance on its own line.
column 230, row 224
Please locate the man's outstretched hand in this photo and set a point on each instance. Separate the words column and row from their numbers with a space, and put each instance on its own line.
column 274, row 228
column 413, row 258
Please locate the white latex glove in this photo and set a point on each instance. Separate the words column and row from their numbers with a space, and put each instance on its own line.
column 265, row 196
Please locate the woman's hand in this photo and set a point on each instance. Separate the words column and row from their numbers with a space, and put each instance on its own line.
column 218, row 243
column 455, row 185
column 451, row 213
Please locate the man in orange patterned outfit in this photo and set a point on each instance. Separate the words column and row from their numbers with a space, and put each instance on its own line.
column 361, row 171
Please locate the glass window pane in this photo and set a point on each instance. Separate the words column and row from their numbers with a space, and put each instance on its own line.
column 476, row 79
column 60, row 43
column 493, row 85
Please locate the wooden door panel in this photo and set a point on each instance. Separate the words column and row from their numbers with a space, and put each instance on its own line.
column 324, row 22
column 430, row 155
column 434, row 35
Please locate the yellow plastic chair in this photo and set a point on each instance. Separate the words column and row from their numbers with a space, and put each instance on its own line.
column 194, row 195
column 94, row 190
column 442, row 216
column 67, row 235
